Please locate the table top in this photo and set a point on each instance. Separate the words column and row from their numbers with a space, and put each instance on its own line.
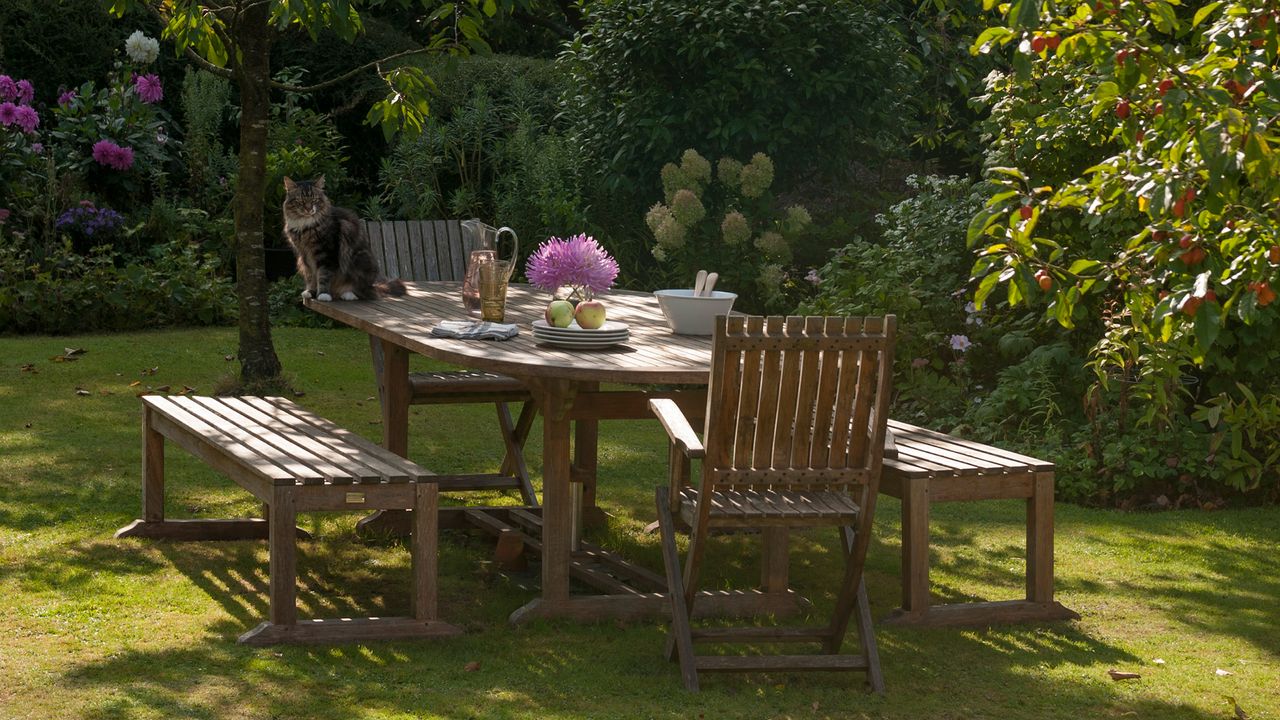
column 652, row 354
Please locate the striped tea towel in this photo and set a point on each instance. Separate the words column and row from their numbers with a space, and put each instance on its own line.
column 472, row 330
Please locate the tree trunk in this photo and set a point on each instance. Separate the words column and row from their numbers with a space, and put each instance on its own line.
column 258, row 360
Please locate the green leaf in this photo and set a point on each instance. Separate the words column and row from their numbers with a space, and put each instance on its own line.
column 1025, row 14
column 985, row 287
column 1164, row 18
column 1082, row 266
column 1204, row 12
column 979, row 224
column 1208, row 323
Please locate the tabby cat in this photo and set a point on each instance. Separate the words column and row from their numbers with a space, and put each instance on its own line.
column 332, row 249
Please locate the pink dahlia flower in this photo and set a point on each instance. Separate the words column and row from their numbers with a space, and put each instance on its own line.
column 149, row 88
column 578, row 262
column 27, row 118
column 26, row 93
column 8, row 88
column 111, row 155
column 8, row 113
column 66, row 97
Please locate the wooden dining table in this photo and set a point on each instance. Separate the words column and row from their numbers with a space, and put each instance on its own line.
column 566, row 384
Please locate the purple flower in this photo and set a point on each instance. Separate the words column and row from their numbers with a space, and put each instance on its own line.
column 8, row 113
column 66, row 97
column 4, row 215
column 87, row 220
column 960, row 343
column 149, row 88
column 37, row 148
column 8, row 88
column 112, row 155
column 27, row 118
column 26, row 93
column 578, row 262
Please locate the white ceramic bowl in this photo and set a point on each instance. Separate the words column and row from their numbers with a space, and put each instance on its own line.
column 689, row 315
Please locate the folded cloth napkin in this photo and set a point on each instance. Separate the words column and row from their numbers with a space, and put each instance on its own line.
column 470, row 330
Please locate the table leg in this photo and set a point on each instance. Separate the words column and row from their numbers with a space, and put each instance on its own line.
column 395, row 408
column 586, row 439
column 391, row 369
column 1040, row 540
column 152, row 470
column 283, row 553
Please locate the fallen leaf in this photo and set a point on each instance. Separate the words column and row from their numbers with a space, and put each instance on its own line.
column 299, row 393
column 319, row 352
column 815, row 706
column 162, row 388
column 472, row 666
column 82, row 391
column 135, row 383
column 105, row 392
column 1158, row 661
column 1222, row 673
column 228, row 358
column 73, row 353
column 188, row 390
column 27, row 426
column 1118, row 675
column 29, row 367
column 151, row 371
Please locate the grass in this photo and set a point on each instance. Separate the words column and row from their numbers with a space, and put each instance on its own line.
column 93, row 627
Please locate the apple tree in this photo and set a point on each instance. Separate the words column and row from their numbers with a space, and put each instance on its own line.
column 1136, row 196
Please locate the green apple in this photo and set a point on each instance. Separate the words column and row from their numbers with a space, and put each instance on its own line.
column 590, row 315
column 559, row 313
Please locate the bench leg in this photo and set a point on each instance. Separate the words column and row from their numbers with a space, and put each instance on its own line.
column 915, row 545
column 152, row 470
column 1040, row 540
column 774, row 566
column 284, row 563
column 426, row 501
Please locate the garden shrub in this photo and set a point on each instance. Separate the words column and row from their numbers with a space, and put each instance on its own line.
column 491, row 150
column 67, row 292
column 807, row 83
column 723, row 218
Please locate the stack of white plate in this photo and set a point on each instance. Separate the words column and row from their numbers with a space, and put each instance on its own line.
column 574, row 337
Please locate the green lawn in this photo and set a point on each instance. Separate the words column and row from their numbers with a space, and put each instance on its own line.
column 95, row 627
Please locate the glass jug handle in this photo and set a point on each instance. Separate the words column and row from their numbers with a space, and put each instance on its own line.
column 515, row 244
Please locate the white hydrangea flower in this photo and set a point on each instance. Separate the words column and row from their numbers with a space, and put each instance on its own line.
column 142, row 49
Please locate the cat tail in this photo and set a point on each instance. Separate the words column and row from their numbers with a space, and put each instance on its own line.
column 389, row 287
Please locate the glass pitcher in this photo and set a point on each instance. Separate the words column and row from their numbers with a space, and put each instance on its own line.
column 483, row 245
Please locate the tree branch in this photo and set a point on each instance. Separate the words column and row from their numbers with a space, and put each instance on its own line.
column 349, row 74
column 206, row 65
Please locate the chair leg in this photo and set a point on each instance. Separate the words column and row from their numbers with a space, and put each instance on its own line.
column 513, row 436
column 862, row 618
column 680, row 638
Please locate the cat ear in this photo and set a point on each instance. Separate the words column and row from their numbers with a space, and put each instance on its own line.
column 319, row 183
column 289, row 185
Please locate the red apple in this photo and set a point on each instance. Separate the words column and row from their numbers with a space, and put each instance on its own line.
column 1038, row 44
column 1274, row 254
column 1122, row 109
column 1054, row 41
column 590, row 315
column 1166, row 85
column 1025, row 212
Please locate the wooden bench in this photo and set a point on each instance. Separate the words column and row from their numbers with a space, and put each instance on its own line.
column 293, row 461
column 931, row 467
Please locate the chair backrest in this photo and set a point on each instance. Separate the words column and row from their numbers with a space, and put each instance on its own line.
column 798, row 403
column 419, row 249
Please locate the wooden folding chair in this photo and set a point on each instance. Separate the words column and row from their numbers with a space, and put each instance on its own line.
column 794, row 437
column 438, row 250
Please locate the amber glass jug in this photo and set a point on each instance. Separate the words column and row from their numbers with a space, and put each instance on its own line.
column 483, row 243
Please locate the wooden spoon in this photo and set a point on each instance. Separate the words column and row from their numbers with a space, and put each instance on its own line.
column 711, row 283
column 699, row 283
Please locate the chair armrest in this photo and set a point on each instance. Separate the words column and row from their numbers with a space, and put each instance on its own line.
column 677, row 427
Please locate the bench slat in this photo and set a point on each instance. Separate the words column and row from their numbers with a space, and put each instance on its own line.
column 292, row 438
column 901, row 430
column 397, row 469
column 180, row 413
